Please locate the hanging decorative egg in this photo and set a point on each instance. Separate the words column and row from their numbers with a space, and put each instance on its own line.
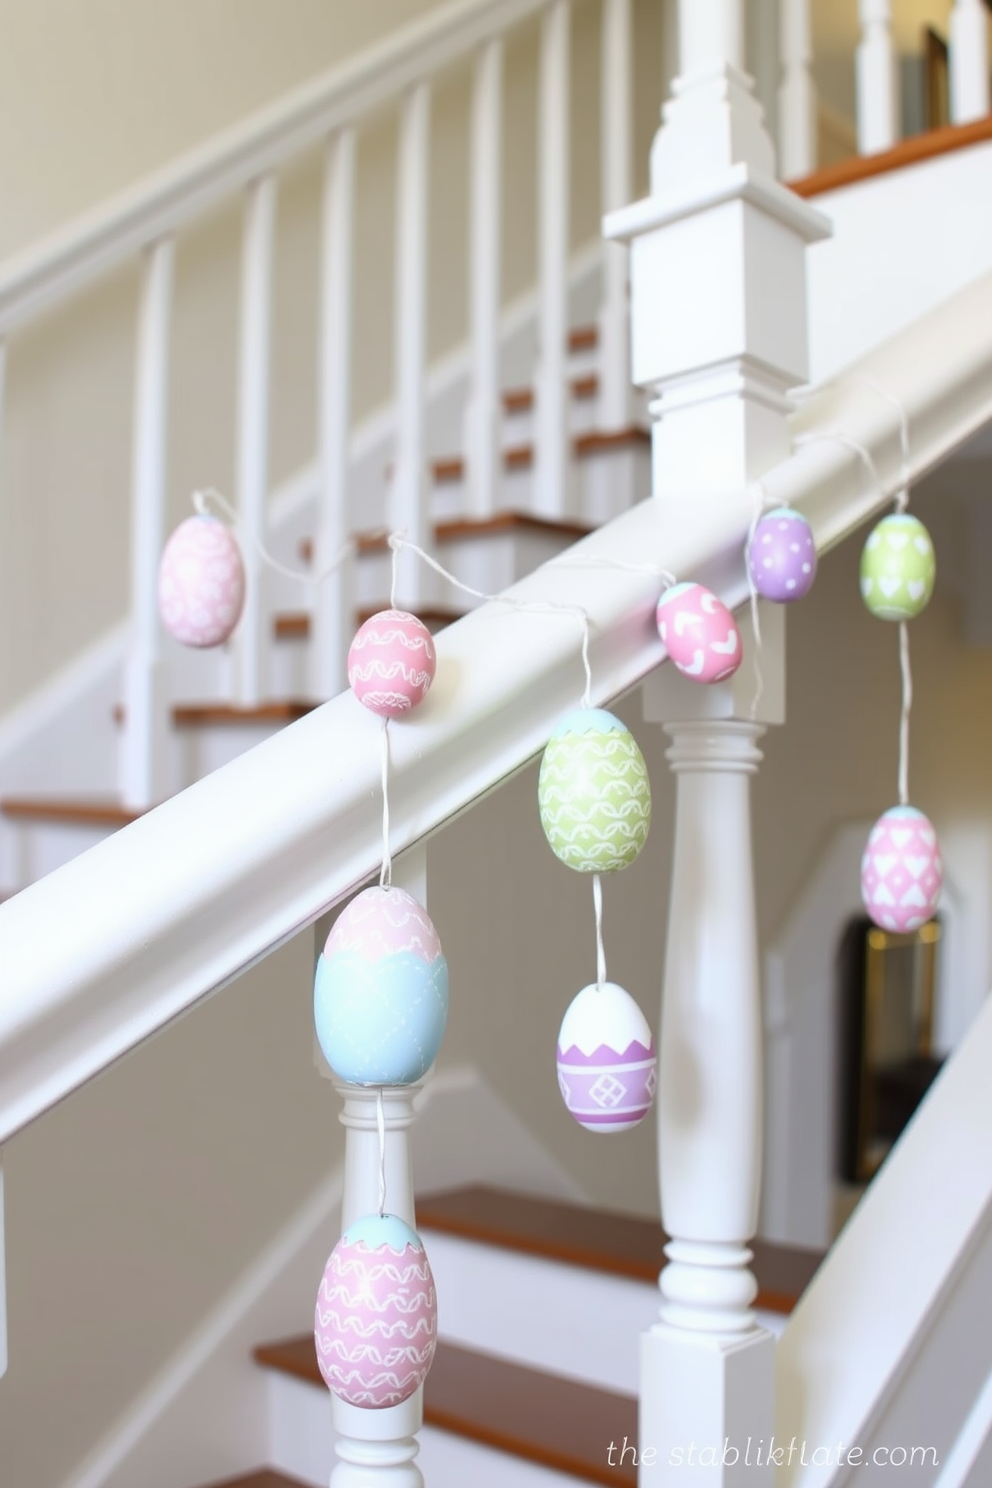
column 699, row 632
column 381, row 990
column 201, row 582
column 607, row 1067
column 898, row 568
column 901, row 870
column 593, row 792
column 781, row 556
column 391, row 663
column 375, row 1323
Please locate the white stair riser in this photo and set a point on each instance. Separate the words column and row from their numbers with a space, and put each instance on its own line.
column 33, row 848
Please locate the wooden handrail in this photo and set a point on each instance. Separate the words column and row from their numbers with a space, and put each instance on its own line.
column 908, row 152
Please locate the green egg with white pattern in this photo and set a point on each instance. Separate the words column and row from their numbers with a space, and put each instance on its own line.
column 593, row 792
column 898, row 568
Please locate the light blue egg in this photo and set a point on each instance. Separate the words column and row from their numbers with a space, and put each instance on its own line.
column 380, row 1022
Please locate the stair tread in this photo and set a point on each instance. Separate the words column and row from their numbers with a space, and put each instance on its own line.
column 622, row 1244
column 284, row 711
column 520, row 399
column 450, row 528
column 297, row 623
column 521, row 456
column 557, row 1422
column 265, row 1477
column 82, row 810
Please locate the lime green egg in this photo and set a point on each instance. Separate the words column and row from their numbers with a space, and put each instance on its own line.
column 898, row 568
column 593, row 793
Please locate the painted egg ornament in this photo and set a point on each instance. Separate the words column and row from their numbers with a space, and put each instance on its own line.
column 391, row 663
column 593, row 792
column 380, row 995
column 898, row 568
column 375, row 1323
column 699, row 632
column 607, row 1067
column 781, row 556
column 201, row 582
column 901, row 870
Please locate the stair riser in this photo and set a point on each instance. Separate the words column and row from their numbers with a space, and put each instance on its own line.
column 31, row 849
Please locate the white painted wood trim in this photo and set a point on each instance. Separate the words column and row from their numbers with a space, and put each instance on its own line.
column 275, row 838
column 969, row 61
column 144, row 732
column 616, row 149
column 797, row 92
column 252, row 464
column 551, row 495
column 4, row 1354
column 877, row 79
column 484, row 411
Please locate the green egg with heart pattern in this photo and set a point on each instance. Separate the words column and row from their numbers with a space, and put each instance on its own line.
column 898, row 568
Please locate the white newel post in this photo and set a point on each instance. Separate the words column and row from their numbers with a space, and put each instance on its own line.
column 797, row 92
column 553, row 465
column 483, row 415
column 145, row 731
column 333, row 620
column 877, row 79
column 253, row 432
column 969, row 61
column 616, row 120
column 718, row 327
column 409, row 506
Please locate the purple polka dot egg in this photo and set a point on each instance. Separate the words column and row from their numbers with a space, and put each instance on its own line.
column 391, row 663
column 901, row 870
column 699, row 632
column 781, row 556
column 607, row 1066
column 375, row 1322
column 201, row 582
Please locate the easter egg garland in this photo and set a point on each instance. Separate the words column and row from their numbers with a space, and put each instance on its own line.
column 593, row 792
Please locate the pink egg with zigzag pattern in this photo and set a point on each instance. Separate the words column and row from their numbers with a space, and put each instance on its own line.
column 699, row 632
column 375, row 1323
column 391, row 663
column 901, row 870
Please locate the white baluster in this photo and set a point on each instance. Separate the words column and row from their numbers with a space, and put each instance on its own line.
column 969, row 61
column 253, row 432
column 334, row 620
column 3, row 1284
column 553, row 466
column 145, row 732
column 615, row 400
column 483, row 415
column 669, row 45
column 878, row 79
column 797, row 92
column 409, row 509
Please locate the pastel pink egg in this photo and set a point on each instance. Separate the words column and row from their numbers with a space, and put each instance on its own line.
column 391, row 663
column 901, row 870
column 375, row 1323
column 201, row 582
column 699, row 632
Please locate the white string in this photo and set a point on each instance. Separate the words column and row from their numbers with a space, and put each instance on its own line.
column 395, row 573
column 902, row 499
column 907, row 703
column 838, row 436
column 758, row 491
column 642, row 568
column 597, row 899
column 386, row 876
column 200, row 503
column 380, row 1121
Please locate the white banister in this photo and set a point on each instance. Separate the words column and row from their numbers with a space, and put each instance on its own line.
column 483, row 417
column 408, row 497
column 552, row 455
column 254, row 358
column 877, row 79
column 145, row 731
column 333, row 620
column 616, row 129
column 969, row 61
column 797, row 92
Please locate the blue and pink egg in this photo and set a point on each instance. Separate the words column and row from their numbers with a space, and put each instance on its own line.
column 901, row 870
column 607, row 1066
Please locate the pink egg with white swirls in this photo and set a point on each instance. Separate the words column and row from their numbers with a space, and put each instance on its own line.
column 201, row 582
column 375, row 1323
column 391, row 663
column 901, row 870
column 699, row 632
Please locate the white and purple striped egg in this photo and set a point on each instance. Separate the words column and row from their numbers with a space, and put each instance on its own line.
column 901, row 870
column 781, row 556
column 607, row 1067
column 201, row 582
column 375, row 1323
column 391, row 663
column 380, row 999
column 699, row 632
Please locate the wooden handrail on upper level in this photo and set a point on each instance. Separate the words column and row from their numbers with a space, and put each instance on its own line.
column 912, row 151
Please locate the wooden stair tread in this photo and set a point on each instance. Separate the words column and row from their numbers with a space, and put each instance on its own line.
column 77, row 810
column 942, row 141
column 297, row 623
column 521, row 456
column 521, row 399
column 622, row 1244
column 191, row 714
column 266, row 1477
column 452, row 528
column 557, row 1422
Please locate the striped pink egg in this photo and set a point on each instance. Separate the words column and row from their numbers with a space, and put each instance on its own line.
column 391, row 663
column 201, row 582
column 699, row 632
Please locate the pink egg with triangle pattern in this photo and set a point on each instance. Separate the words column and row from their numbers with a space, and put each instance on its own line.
column 391, row 663
column 901, row 870
column 699, row 632
column 201, row 582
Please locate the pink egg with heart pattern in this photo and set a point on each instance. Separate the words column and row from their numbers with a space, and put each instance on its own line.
column 391, row 663
column 901, row 870
column 699, row 632
column 201, row 582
